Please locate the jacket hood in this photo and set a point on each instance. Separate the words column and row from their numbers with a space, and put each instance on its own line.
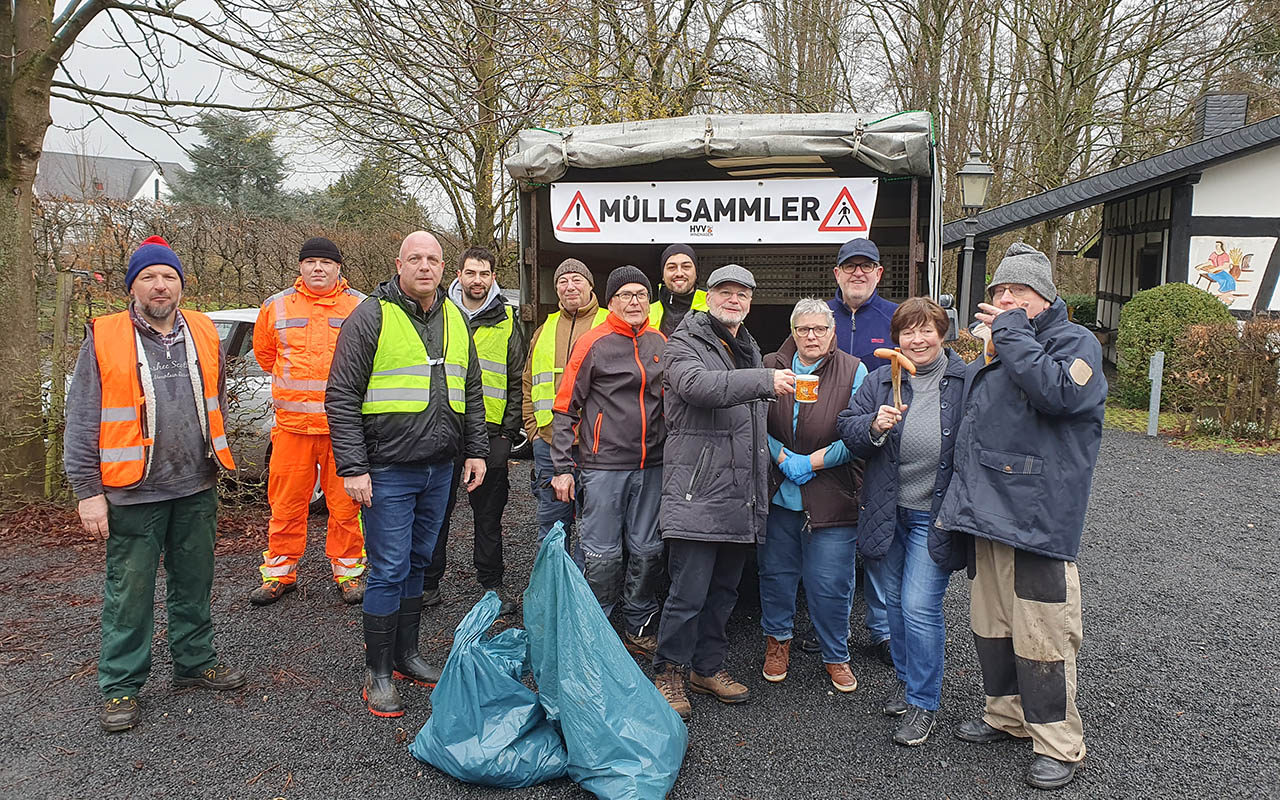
column 494, row 297
column 338, row 288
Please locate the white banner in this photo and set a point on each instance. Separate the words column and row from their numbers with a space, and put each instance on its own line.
column 785, row 211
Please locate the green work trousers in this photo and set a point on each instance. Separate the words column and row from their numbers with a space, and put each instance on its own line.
column 183, row 529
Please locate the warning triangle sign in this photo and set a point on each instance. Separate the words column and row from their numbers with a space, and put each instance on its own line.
column 577, row 217
column 848, row 218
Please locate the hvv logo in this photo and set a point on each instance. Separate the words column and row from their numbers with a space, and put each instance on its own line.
column 700, row 230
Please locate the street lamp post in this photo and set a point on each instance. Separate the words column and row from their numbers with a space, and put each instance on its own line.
column 975, row 180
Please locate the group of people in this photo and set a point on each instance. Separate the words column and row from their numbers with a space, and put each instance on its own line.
column 660, row 433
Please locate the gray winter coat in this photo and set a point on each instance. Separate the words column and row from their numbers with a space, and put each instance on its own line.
column 715, row 479
column 1029, row 437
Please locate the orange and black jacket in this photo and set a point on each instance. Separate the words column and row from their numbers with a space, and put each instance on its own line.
column 611, row 397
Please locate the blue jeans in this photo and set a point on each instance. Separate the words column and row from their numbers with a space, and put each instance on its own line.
column 873, row 593
column 550, row 510
column 400, row 530
column 914, row 587
column 824, row 559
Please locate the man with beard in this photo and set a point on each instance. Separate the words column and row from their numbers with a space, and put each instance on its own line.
column 715, row 486
column 500, row 348
column 143, row 443
column 678, row 292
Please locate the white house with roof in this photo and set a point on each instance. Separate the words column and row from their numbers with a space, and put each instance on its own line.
column 82, row 177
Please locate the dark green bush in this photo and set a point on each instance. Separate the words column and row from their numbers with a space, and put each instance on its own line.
column 1156, row 319
column 1084, row 307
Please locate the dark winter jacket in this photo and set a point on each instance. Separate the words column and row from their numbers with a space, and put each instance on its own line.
column 610, row 398
column 831, row 497
column 715, row 482
column 861, row 332
column 437, row 433
column 879, row 508
column 1030, row 434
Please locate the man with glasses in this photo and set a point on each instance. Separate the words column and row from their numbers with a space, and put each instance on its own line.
column 715, row 494
column 611, row 400
column 862, row 325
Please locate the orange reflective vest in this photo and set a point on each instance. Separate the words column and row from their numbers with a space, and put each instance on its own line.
column 125, row 435
column 294, row 339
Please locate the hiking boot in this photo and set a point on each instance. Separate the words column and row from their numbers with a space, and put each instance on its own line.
column 644, row 645
column 895, row 705
column 1047, row 772
column 409, row 663
column 670, row 682
column 352, row 590
column 842, row 677
column 721, row 686
column 219, row 677
column 119, row 713
column 431, row 597
column 978, row 731
column 916, row 726
column 269, row 592
column 808, row 642
column 507, row 606
column 777, row 655
column 881, row 651
column 379, row 692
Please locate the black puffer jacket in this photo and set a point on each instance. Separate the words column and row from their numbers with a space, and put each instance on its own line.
column 437, row 433
column 715, row 480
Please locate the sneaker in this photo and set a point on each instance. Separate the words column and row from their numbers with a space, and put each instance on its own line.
column 119, row 713
column 352, row 590
column 842, row 677
column 916, row 726
column 895, row 705
column 641, row 644
column 978, row 731
column 777, row 655
column 721, row 686
column 670, row 682
column 269, row 592
column 431, row 597
column 219, row 677
column 1047, row 772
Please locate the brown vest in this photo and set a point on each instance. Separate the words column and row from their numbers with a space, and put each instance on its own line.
column 831, row 498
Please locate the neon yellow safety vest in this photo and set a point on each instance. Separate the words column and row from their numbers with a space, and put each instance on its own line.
column 491, row 348
column 656, row 310
column 546, row 374
column 401, row 378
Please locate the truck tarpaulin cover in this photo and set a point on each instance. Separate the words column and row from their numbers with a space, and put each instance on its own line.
column 624, row 740
column 898, row 144
column 486, row 726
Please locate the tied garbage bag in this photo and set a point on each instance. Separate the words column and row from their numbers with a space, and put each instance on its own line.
column 486, row 726
column 623, row 739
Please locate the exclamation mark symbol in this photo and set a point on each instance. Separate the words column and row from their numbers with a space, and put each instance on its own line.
column 577, row 215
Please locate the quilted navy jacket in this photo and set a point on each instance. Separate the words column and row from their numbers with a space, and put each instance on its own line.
column 878, row 513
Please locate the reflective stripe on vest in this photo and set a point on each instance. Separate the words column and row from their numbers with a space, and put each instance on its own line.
column 304, row 352
column 656, row 310
column 123, row 450
column 491, row 348
column 401, row 377
column 546, row 375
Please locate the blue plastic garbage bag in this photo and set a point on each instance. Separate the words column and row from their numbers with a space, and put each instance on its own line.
column 624, row 741
column 486, row 726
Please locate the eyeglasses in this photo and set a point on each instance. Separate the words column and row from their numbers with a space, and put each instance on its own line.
column 627, row 297
column 849, row 269
column 725, row 294
column 804, row 331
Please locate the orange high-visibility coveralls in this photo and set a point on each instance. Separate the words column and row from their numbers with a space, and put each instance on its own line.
column 293, row 339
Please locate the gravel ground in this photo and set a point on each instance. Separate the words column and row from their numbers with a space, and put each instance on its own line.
column 1181, row 652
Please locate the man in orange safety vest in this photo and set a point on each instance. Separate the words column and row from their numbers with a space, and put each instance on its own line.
column 293, row 340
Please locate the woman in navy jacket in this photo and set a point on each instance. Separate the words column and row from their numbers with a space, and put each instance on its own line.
column 908, row 454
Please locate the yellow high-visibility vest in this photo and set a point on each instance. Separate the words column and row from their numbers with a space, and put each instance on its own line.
column 491, row 348
column 656, row 310
column 401, row 378
column 546, row 375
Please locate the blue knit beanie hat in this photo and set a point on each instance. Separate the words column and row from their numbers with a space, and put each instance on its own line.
column 154, row 250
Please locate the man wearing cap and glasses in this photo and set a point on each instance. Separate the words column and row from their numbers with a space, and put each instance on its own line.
column 715, row 488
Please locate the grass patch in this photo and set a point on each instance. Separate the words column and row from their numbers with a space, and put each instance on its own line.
column 1176, row 425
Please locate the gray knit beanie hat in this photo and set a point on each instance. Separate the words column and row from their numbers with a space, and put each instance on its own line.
column 1024, row 264
column 574, row 265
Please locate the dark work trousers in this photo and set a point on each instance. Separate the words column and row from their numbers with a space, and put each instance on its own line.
column 704, row 590
column 487, row 504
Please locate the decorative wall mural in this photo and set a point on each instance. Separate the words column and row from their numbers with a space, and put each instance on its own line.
column 1231, row 267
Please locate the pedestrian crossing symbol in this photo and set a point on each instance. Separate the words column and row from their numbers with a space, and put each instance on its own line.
column 848, row 217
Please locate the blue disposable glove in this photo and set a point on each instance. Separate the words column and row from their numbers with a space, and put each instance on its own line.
column 797, row 468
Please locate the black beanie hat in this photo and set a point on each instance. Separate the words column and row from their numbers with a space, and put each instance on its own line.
column 677, row 248
column 320, row 247
column 621, row 277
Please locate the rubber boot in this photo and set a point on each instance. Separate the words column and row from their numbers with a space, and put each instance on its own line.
column 409, row 663
column 380, row 693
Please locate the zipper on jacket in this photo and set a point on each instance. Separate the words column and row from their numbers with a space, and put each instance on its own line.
column 595, row 448
column 644, row 414
column 697, row 471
